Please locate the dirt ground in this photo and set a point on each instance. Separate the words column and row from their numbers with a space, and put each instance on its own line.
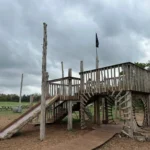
column 125, row 144
column 28, row 138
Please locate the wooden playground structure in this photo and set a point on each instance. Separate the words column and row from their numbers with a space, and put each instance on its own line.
column 117, row 85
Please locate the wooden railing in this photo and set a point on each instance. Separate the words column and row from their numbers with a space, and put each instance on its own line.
column 126, row 76
column 67, row 88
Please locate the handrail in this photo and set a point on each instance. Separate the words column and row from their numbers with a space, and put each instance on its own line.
column 112, row 66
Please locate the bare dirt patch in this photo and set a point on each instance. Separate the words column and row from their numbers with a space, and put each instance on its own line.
column 125, row 144
column 28, row 138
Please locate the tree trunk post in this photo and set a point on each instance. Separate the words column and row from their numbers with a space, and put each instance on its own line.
column 31, row 100
column 70, row 101
column 43, row 93
column 98, row 111
column 21, row 84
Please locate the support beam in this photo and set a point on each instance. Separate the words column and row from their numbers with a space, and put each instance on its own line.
column 148, row 110
column 43, row 96
column 98, row 111
column 116, row 113
column 103, row 109
column 95, row 112
column 47, row 85
column 82, row 107
column 62, row 82
column 106, row 111
column 31, row 100
column 70, row 101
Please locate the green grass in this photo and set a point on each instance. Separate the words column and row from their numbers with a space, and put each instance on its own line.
column 12, row 103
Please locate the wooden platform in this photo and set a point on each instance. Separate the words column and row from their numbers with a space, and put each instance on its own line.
column 90, row 140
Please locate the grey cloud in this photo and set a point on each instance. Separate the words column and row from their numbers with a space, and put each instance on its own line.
column 121, row 25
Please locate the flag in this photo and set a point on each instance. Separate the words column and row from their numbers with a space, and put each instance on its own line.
column 97, row 42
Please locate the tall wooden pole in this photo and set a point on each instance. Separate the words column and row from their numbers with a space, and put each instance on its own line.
column 70, row 101
column 82, row 107
column 97, row 60
column 62, row 68
column 43, row 96
column 20, row 90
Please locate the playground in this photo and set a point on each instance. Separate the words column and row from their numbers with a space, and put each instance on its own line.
column 84, row 112
column 29, row 137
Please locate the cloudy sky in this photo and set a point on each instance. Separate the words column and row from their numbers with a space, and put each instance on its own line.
column 123, row 29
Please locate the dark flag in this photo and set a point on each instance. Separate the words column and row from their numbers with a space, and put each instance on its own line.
column 97, row 42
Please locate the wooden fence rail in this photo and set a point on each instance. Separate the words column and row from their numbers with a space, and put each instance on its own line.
column 126, row 76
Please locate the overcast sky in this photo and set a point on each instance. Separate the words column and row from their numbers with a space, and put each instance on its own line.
column 123, row 29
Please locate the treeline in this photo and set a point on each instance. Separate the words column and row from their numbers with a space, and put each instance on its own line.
column 15, row 98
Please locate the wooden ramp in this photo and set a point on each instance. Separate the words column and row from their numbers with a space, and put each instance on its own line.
column 90, row 140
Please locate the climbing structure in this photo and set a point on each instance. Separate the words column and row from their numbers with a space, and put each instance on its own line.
column 112, row 86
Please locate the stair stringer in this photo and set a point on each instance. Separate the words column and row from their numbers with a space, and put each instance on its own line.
column 84, row 98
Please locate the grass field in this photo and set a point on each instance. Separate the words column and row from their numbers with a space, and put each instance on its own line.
column 13, row 103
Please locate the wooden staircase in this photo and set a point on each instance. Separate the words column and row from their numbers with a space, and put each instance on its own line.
column 109, row 109
column 84, row 100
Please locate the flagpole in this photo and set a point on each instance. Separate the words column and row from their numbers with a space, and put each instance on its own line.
column 97, row 60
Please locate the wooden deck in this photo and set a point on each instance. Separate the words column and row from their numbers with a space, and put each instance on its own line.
column 126, row 76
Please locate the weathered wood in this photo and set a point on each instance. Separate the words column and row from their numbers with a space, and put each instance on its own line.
column 31, row 100
column 43, row 96
column 95, row 111
column 81, row 77
column 21, row 84
column 47, row 85
column 148, row 109
column 62, row 81
column 98, row 111
column 70, row 101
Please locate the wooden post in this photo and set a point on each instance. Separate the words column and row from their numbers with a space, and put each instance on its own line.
column 148, row 109
column 70, row 101
column 106, row 111
column 31, row 100
column 82, row 77
column 43, row 96
column 20, row 92
column 62, row 68
column 116, row 113
column 47, row 85
column 98, row 111
column 103, row 109
column 95, row 111
column 82, row 107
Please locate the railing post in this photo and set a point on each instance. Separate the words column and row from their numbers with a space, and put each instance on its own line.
column 70, row 101
column 82, row 77
column 62, row 82
column 31, row 100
